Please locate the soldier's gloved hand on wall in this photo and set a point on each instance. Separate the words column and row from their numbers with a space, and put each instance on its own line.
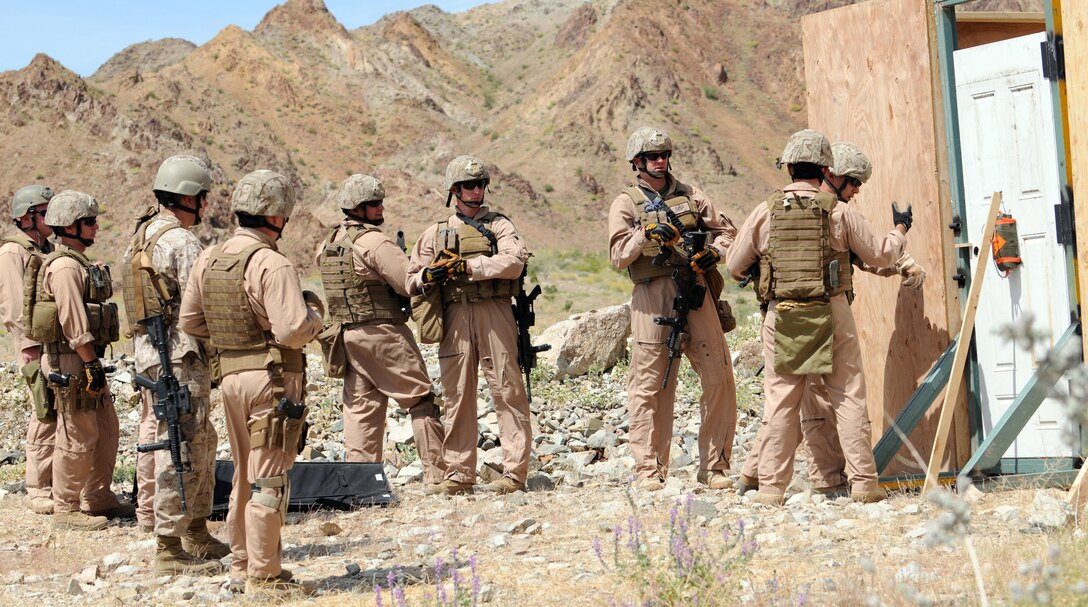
column 903, row 218
column 665, row 233
column 96, row 377
column 705, row 259
column 314, row 302
column 914, row 275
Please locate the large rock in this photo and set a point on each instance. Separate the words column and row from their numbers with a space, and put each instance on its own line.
column 592, row 340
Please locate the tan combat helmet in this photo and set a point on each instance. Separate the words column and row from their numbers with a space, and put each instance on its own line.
column 358, row 189
column 850, row 162
column 27, row 197
column 263, row 192
column 647, row 139
column 183, row 174
column 807, row 146
column 464, row 168
column 69, row 207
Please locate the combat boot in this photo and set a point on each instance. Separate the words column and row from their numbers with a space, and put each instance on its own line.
column 283, row 585
column 869, row 496
column 652, row 483
column 769, row 499
column 842, row 490
column 714, row 479
column 41, row 505
column 746, row 483
column 78, row 521
column 202, row 544
column 122, row 509
column 171, row 558
column 452, row 487
column 506, row 485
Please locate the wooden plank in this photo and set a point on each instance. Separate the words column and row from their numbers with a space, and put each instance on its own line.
column 1074, row 24
column 879, row 95
column 951, row 396
column 1001, row 18
column 979, row 33
column 1078, row 493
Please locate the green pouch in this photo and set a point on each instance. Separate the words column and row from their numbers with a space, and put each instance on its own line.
column 333, row 354
column 427, row 311
column 803, row 338
column 40, row 394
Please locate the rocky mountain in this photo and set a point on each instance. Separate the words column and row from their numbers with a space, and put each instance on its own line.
column 545, row 91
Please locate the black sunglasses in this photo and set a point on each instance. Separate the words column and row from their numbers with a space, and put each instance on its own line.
column 89, row 221
column 854, row 181
column 472, row 185
column 371, row 203
column 654, row 156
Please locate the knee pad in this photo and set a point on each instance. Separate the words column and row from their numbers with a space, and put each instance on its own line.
column 274, row 492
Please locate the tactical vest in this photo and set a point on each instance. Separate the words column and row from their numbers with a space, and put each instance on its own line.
column 350, row 298
column 470, row 243
column 800, row 264
column 139, row 294
column 40, row 316
column 234, row 332
column 24, row 241
column 643, row 270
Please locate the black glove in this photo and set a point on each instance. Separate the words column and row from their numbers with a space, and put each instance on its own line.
column 705, row 259
column 904, row 218
column 664, row 233
column 436, row 273
column 96, row 377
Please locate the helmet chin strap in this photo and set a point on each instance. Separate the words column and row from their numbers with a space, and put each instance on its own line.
column 654, row 174
column 838, row 190
column 64, row 234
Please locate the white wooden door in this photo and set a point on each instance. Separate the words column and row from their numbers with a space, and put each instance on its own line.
column 1007, row 141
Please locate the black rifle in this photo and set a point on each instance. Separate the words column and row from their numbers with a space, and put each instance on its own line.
column 525, row 318
column 172, row 398
column 689, row 296
column 751, row 276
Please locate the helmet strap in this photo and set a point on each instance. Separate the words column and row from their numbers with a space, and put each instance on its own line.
column 654, row 174
column 837, row 190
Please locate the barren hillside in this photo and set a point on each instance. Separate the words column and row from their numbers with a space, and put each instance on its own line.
column 545, row 91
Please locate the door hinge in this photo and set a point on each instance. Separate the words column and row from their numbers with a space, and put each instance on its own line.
column 1053, row 51
column 1063, row 219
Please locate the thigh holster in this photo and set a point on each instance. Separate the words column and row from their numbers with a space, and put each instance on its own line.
column 282, row 429
column 428, row 406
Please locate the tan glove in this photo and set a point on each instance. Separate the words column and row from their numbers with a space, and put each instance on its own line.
column 314, row 302
column 914, row 275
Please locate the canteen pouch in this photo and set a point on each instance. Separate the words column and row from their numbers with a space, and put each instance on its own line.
column 40, row 394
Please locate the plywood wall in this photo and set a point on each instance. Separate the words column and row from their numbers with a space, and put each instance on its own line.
column 870, row 82
column 1074, row 17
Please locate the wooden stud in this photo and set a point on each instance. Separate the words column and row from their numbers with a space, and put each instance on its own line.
column 968, row 327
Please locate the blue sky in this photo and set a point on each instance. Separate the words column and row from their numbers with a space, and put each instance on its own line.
column 83, row 34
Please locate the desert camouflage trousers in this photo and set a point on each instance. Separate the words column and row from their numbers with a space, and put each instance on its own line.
column 199, row 435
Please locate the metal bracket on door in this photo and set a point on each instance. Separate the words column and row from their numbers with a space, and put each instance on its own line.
column 1064, row 224
column 1053, row 52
